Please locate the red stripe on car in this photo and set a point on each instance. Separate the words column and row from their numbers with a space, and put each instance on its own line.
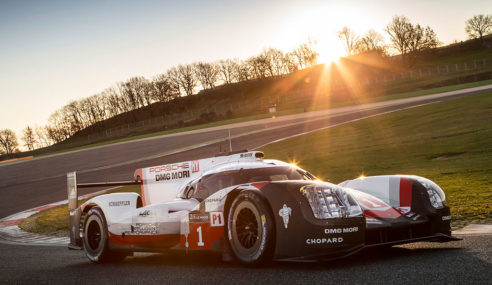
column 405, row 192
column 260, row 185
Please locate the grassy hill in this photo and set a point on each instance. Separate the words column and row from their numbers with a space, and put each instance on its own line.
column 352, row 80
column 320, row 84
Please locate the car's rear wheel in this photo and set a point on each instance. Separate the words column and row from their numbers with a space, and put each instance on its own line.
column 250, row 229
column 96, row 238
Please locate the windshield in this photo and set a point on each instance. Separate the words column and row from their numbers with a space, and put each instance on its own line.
column 210, row 184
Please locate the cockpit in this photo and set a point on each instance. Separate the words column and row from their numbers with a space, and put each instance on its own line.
column 207, row 185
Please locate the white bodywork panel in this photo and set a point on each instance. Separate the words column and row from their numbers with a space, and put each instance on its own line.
column 116, row 206
column 163, row 182
column 123, row 216
column 378, row 186
column 394, row 190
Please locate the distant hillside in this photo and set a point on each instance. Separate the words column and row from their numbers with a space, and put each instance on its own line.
column 360, row 76
column 351, row 78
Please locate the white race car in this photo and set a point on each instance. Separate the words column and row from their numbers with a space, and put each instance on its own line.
column 254, row 210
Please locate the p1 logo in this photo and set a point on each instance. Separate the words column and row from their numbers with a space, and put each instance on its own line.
column 205, row 229
column 216, row 219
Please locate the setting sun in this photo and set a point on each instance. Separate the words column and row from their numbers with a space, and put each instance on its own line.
column 329, row 51
column 319, row 24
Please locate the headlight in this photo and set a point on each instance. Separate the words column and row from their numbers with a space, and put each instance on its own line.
column 330, row 201
column 436, row 195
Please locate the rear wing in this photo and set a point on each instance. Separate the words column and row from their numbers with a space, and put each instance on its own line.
column 73, row 204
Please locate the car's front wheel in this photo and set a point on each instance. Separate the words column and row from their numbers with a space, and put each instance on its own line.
column 96, row 238
column 250, row 228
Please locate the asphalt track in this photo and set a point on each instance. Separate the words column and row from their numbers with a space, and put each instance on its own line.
column 462, row 262
column 30, row 183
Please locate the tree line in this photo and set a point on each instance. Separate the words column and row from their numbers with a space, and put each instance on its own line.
column 138, row 92
column 407, row 39
column 181, row 80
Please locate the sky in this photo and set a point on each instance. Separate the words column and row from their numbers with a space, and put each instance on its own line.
column 53, row 52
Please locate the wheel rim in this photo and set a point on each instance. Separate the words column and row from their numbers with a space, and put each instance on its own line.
column 247, row 230
column 94, row 235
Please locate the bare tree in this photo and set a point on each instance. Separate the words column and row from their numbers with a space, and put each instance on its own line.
column 422, row 39
column 297, row 53
column 184, row 77
column 94, row 109
column 86, row 116
column 258, row 66
column 59, row 128
column 188, row 79
column 290, row 62
column 275, row 63
column 54, row 134
column 114, row 102
column 29, row 138
column 309, row 53
column 400, row 30
column 173, row 75
column 134, row 93
column 125, row 103
column 227, row 70
column 242, row 71
column 164, row 89
column 478, row 26
column 371, row 41
column 73, row 111
column 8, row 141
column 128, row 100
column 305, row 54
column 102, row 105
column 62, row 124
column 206, row 73
column 349, row 39
column 42, row 138
column 406, row 37
column 268, row 63
column 145, row 91
column 135, row 90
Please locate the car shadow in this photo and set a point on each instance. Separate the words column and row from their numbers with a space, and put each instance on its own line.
column 375, row 255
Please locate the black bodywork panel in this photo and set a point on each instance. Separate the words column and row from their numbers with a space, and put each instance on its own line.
column 309, row 238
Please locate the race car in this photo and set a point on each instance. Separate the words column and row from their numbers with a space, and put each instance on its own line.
column 254, row 210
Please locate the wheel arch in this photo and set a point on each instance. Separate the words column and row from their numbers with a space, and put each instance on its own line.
column 231, row 197
column 234, row 193
column 113, row 205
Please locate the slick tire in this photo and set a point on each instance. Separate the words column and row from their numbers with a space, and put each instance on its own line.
column 250, row 229
column 96, row 238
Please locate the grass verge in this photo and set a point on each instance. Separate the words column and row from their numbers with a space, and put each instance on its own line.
column 282, row 113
